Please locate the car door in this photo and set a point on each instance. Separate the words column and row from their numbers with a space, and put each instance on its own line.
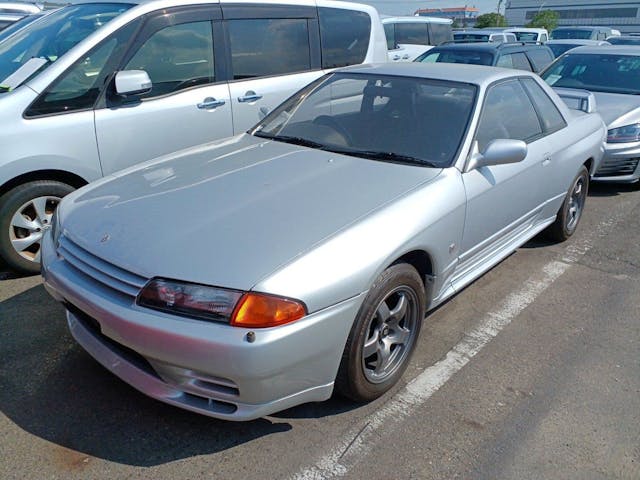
column 189, row 101
column 504, row 200
column 274, row 51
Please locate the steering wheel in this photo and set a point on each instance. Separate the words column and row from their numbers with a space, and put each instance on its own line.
column 330, row 122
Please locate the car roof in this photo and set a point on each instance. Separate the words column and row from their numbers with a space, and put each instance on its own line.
column 609, row 50
column 578, row 41
column 474, row 74
column 415, row 19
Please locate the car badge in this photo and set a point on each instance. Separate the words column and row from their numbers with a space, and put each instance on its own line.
column 105, row 238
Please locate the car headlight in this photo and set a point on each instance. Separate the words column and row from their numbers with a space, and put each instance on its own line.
column 626, row 134
column 241, row 309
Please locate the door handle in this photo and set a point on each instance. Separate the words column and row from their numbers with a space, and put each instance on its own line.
column 396, row 57
column 546, row 159
column 405, row 56
column 210, row 103
column 249, row 96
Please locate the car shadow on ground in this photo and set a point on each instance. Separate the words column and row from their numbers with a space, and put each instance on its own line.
column 610, row 189
column 51, row 388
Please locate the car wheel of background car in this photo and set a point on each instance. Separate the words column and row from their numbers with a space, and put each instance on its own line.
column 25, row 214
column 383, row 335
column 569, row 214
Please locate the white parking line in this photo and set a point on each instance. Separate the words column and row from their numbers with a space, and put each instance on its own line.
column 354, row 446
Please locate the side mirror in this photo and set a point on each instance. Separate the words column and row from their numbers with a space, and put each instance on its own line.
column 132, row 82
column 501, row 151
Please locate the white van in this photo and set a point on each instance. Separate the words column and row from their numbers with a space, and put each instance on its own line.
column 96, row 87
column 410, row 37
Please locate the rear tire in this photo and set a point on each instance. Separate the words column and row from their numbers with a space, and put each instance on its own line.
column 25, row 215
column 383, row 335
column 571, row 210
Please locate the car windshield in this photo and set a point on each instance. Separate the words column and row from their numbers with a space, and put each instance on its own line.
column 596, row 72
column 569, row 34
column 54, row 35
column 470, row 37
column 405, row 120
column 452, row 56
column 623, row 41
column 559, row 48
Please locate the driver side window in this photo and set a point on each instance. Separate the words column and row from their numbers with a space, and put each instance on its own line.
column 176, row 57
column 507, row 113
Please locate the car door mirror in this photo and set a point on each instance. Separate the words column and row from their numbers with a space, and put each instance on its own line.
column 132, row 82
column 501, row 151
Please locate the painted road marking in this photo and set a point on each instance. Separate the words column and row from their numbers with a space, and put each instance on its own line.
column 354, row 446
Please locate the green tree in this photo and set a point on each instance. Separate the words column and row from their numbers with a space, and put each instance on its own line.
column 545, row 19
column 491, row 20
column 456, row 24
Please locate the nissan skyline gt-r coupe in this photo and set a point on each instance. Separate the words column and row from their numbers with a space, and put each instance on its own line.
column 246, row 276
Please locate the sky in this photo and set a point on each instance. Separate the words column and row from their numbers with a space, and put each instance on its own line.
column 394, row 7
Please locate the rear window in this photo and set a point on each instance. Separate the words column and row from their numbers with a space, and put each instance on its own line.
column 440, row 33
column 470, row 37
column 344, row 36
column 570, row 34
column 414, row 33
column 451, row 56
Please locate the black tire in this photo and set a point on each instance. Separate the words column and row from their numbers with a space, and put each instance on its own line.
column 10, row 203
column 571, row 210
column 358, row 377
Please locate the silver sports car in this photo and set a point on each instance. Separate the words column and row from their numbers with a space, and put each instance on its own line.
column 612, row 74
column 249, row 275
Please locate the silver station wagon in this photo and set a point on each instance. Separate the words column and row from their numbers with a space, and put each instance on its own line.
column 249, row 275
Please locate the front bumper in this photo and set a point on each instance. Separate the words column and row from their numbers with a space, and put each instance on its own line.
column 204, row 367
column 620, row 164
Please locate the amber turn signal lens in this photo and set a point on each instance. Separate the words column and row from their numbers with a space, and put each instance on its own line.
column 257, row 310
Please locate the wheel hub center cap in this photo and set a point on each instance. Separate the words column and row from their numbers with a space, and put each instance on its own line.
column 384, row 332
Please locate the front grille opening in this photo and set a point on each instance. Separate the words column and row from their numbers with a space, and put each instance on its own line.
column 617, row 167
column 128, row 354
column 210, row 404
column 216, row 387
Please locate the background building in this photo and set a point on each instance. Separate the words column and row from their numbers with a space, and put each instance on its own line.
column 465, row 16
column 619, row 14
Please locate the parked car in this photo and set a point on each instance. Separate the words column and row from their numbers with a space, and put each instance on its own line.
column 532, row 35
column 409, row 37
column 329, row 229
column 11, row 12
column 624, row 40
column 582, row 33
column 523, row 56
column 191, row 74
column 483, row 35
column 558, row 47
column 613, row 75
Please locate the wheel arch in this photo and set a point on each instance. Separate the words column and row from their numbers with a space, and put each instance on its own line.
column 63, row 176
column 423, row 263
column 589, row 164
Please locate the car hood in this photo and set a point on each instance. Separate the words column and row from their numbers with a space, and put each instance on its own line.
column 229, row 214
column 618, row 109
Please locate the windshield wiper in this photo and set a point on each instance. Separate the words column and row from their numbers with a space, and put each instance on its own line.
column 387, row 157
column 291, row 139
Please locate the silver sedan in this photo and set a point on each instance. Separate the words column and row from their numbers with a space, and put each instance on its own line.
column 249, row 275
column 612, row 74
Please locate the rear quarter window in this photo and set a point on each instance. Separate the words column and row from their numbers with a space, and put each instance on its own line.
column 540, row 58
column 344, row 36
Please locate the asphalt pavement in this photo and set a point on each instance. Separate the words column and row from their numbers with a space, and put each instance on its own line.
column 531, row 372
